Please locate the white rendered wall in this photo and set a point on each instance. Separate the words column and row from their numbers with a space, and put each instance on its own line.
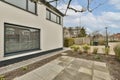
column 51, row 36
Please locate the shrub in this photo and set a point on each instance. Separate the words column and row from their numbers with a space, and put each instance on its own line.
column 75, row 48
column 95, row 50
column 114, row 41
column 106, row 50
column 91, row 42
column 96, row 57
column 2, row 77
column 86, row 48
column 117, row 51
column 24, row 68
column 68, row 42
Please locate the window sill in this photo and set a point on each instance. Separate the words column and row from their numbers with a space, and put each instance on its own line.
column 20, row 52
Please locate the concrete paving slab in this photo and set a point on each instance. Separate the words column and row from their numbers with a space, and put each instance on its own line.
column 101, row 75
column 100, row 63
column 82, row 76
column 74, row 69
column 65, row 61
column 87, row 64
column 85, row 70
column 71, row 71
column 100, row 68
column 64, row 75
column 57, row 68
column 29, row 76
column 95, row 78
column 75, row 64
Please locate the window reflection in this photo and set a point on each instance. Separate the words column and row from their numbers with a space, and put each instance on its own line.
column 24, row 4
column 53, row 17
column 19, row 3
column 21, row 38
column 31, row 6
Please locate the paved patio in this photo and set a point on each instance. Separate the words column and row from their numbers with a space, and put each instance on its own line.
column 69, row 68
column 23, row 63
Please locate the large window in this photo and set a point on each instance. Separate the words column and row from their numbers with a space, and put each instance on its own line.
column 20, row 38
column 24, row 4
column 53, row 17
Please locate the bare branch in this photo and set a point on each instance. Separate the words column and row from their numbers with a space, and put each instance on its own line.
column 52, row 1
column 88, row 6
column 98, row 6
column 77, row 10
column 68, row 6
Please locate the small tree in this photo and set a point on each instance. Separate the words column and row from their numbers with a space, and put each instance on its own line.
column 82, row 32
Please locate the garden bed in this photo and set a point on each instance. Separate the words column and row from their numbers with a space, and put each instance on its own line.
column 23, row 70
column 112, row 63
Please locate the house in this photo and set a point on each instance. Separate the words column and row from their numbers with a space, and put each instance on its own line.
column 115, row 37
column 71, row 32
column 29, row 28
column 66, row 33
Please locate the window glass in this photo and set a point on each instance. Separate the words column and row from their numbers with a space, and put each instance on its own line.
column 48, row 14
column 31, row 6
column 19, row 3
column 58, row 19
column 53, row 17
column 24, row 4
column 19, row 38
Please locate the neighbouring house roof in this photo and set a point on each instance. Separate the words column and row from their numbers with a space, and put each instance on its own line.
column 52, row 7
column 117, row 35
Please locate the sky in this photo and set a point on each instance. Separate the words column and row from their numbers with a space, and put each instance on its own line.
column 106, row 15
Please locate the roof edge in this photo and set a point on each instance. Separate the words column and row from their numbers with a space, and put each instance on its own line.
column 52, row 7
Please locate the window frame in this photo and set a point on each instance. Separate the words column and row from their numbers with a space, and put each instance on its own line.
column 23, row 51
column 51, row 16
column 27, row 10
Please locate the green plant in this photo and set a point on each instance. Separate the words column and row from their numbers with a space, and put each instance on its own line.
column 75, row 48
column 106, row 50
column 117, row 51
column 96, row 57
column 95, row 50
column 86, row 47
column 2, row 77
column 68, row 42
column 91, row 43
column 24, row 68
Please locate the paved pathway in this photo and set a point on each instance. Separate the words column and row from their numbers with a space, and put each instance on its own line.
column 29, row 61
column 69, row 68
